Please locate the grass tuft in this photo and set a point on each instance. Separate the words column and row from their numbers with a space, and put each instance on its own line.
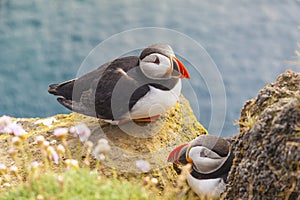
column 76, row 184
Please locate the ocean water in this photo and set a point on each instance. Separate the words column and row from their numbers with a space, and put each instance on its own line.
column 43, row 42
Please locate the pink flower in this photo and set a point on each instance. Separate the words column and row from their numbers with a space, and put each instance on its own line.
column 39, row 139
column 143, row 165
column 7, row 126
column 82, row 131
column 14, row 169
column 61, row 133
column 72, row 164
column 3, row 168
column 53, row 154
column 154, row 181
column 60, row 149
column 16, row 141
column 55, row 157
column 101, row 157
column 5, row 129
column 101, row 149
column 5, row 121
column 17, row 130
column 34, row 165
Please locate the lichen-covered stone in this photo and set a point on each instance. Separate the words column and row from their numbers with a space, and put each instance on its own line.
column 129, row 142
column 267, row 151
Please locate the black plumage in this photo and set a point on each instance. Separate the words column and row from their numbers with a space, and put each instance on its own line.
column 118, row 84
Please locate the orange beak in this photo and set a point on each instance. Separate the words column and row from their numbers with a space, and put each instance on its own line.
column 182, row 69
column 179, row 155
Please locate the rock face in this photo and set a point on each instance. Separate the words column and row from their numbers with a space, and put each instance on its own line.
column 267, row 163
column 129, row 142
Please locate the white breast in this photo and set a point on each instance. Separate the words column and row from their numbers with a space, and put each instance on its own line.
column 156, row 102
column 207, row 187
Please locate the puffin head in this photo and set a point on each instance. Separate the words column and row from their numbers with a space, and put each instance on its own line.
column 207, row 153
column 158, row 61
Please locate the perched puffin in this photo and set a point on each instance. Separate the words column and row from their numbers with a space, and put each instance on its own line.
column 138, row 88
column 211, row 159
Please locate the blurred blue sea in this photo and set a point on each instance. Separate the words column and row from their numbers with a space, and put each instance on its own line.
column 43, row 42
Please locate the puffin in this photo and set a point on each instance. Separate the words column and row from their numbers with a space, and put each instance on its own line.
column 211, row 158
column 138, row 88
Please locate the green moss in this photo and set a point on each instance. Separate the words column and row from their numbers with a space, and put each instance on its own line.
column 80, row 184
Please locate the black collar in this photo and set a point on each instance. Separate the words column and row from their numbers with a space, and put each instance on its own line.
column 222, row 172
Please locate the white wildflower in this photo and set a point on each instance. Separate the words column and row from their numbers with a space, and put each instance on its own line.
column 143, row 165
column 72, row 164
column 101, row 149
column 60, row 179
column 6, row 185
column 146, row 180
column 3, row 168
column 40, row 197
column 16, row 141
column 5, row 121
column 47, row 122
column 34, row 165
column 154, row 181
column 7, row 126
column 5, row 129
column 60, row 150
column 39, row 140
column 61, row 133
column 14, row 169
column 17, row 130
column 12, row 152
column 55, row 157
column 81, row 130
column 102, row 141
column 101, row 156
column 52, row 154
column 89, row 145
column 45, row 144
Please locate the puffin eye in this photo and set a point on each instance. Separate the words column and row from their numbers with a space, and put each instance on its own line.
column 156, row 61
column 203, row 154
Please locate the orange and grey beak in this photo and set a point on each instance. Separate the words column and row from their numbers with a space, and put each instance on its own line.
column 180, row 155
column 178, row 67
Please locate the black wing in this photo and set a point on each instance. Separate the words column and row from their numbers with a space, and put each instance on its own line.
column 119, row 88
column 110, row 91
column 92, row 93
column 81, row 84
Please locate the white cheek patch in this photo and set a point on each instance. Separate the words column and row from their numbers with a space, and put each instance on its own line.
column 153, row 70
column 206, row 164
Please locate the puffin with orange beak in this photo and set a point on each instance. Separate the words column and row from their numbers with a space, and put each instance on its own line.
column 139, row 88
column 211, row 158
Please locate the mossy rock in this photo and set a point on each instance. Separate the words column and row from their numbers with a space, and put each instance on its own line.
column 267, row 158
column 129, row 142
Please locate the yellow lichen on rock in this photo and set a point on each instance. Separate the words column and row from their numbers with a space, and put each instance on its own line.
column 129, row 142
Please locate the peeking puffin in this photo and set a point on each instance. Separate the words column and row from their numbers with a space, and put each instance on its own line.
column 211, row 158
column 140, row 88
